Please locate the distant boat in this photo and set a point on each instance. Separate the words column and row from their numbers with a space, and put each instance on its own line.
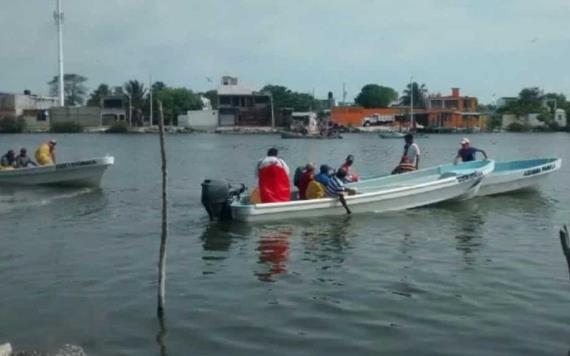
column 310, row 136
column 391, row 134
column 518, row 175
column 78, row 173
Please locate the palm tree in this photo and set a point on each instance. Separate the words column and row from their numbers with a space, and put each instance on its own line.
column 137, row 92
column 419, row 93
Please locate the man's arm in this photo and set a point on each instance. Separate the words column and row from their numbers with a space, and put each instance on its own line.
column 484, row 153
column 417, row 161
column 456, row 160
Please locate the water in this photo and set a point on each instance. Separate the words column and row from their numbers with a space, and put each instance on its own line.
column 484, row 277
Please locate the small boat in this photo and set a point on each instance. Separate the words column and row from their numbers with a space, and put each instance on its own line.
column 310, row 136
column 78, row 173
column 518, row 175
column 391, row 134
column 387, row 193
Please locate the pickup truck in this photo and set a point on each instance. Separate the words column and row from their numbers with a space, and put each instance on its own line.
column 377, row 119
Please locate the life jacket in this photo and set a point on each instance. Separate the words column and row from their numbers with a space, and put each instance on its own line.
column 273, row 184
column 44, row 155
column 315, row 190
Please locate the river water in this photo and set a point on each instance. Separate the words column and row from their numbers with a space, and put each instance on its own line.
column 483, row 277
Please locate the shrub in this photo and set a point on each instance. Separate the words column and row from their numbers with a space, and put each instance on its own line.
column 66, row 127
column 12, row 125
column 118, row 127
column 517, row 127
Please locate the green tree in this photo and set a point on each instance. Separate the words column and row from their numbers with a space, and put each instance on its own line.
column 97, row 94
column 74, row 89
column 286, row 98
column 137, row 92
column 213, row 96
column 376, row 96
column 419, row 93
column 176, row 101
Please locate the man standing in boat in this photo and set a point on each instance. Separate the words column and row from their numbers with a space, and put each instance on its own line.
column 411, row 151
column 467, row 153
column 273, row 176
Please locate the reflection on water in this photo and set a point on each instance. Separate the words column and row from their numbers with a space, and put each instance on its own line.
column 273, row 250
column 470, row 235
column 326, row 242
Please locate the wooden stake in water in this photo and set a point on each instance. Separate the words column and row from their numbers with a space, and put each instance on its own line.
column 564, row 240
column 164, row 230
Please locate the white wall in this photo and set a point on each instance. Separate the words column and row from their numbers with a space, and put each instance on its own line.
column 199, row 118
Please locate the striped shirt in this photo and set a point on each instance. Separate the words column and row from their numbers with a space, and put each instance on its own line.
column 335, row 187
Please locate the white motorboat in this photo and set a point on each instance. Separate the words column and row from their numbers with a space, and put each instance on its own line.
column 387, row 193
column 78, row 173
column 391, row 134
column 518, row 175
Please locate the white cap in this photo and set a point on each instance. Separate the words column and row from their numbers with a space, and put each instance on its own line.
column 465, row 140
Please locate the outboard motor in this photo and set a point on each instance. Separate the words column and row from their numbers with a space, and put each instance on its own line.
column 217, row 196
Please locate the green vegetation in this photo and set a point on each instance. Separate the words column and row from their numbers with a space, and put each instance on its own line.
column 517, row 127
column 97, row 94
column 376, row 96
column 286, row 98
column 176, row 101
column 66, row 127
column 12, row 125
column 74, row 89
column 419, row 93
column 118, row 127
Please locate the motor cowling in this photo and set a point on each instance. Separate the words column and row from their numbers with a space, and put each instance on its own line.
column 217, row 196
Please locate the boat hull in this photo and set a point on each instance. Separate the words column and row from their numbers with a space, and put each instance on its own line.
column 518, row 175
column 374, row 199
column 79, row 173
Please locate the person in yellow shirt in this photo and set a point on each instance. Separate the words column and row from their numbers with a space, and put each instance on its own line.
column 45, row 154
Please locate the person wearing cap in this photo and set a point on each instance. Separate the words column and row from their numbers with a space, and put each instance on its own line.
column 273, row 178
column 23, row 160
column 467, row 153
column 45, row 154
column 347, row 167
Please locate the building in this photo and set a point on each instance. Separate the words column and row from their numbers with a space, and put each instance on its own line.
column 86, row 116
column 240, row 105
column 531, row 121
column 453, row 111
column 199, row 119
column 115, row 108
column 29, row 107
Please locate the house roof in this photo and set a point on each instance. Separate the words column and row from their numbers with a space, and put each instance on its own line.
column 238, row 90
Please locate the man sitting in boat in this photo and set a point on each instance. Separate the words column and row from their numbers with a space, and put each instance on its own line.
column 23, row 160
column 45, row 154
column 336, row 186
column 325, row 174
column 273, row 175
column 346, row 166
column 467, row 153
column 306, row 177
column 317, row 187
column 8, row 161
column 410, row 160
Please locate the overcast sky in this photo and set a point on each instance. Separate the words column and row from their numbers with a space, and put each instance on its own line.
column 485, row 47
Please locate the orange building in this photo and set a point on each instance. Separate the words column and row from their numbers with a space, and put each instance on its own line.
column 452, row 112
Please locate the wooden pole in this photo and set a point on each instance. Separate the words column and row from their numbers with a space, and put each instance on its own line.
column 164, row 230
column 564, row 241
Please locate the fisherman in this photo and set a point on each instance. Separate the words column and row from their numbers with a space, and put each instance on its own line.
column 411, row 151
column 306, row 178
column 467, row 153
column 273, row 175
column 8, row 160
column 23, row 160
column 45, row 154
column 336, row 186
column 346, row 166
column 325, row 174
column 411, row 158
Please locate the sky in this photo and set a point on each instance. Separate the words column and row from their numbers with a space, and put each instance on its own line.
column 488, row 48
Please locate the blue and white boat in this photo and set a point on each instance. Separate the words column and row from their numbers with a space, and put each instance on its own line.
column 518, row 175
column 381, row 194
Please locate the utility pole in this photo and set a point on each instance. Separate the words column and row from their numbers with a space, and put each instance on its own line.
column 58, row 16
column 411, row 103
column 150, row 94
